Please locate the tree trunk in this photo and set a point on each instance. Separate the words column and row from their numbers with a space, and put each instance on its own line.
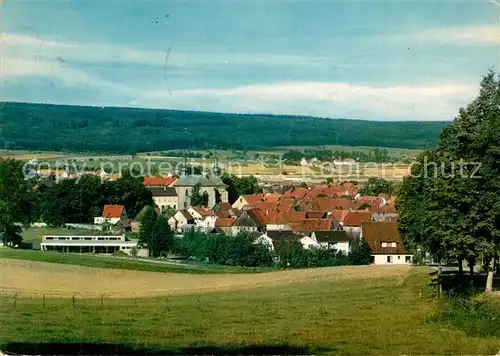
column 440, row 287
column 460, row 266
column 489, row 280
column 471, row 268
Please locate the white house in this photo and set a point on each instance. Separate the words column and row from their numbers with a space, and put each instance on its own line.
column 308, row 242
column 337, row 240
column 207, row 224
column 111, row 214
column 91, row 244
column 165, row 198
column 199, row 213
column 180, row 219
column 385, row 243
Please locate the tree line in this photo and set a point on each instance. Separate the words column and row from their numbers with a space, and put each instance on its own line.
column 242, row 251
column 24, row 201
column 96, row 129
column 449, row 207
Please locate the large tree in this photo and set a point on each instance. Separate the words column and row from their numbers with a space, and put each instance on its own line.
column 17, row 200
column 453, row 208
column 162, row 238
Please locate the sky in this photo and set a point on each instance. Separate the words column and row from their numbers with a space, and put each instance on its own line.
column 372, row 60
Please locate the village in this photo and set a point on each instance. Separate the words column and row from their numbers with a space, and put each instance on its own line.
column 333, row 216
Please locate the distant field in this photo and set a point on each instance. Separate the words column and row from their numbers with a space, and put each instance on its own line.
column 110, row 262
column 232, row 163
column 326, row 311
column 27, row 155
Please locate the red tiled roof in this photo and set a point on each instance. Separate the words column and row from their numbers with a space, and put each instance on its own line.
column 328, row 204
column 355, row 218
column 310, row 225
column 296, row 193
column 253, row 199
column 202, row 210
column 158, row 181
column 112, row 211
column 377, row 232
column 316, row 214
column 292, row 217
column 224, row 222
column 340, row 215
column 386, row 209
column 272, row 197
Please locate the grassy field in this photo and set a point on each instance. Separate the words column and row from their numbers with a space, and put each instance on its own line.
column 369, row 316
column 117, row 263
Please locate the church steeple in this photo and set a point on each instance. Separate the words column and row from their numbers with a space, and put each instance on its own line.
column 184, row 165
column 216, row 169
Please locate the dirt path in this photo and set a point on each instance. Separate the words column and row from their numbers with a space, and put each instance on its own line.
column 28, row 278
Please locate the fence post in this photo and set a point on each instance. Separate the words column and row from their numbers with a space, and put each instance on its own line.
column 73, row 300
column 43, row 299
column 15, row 299
column 101, row 301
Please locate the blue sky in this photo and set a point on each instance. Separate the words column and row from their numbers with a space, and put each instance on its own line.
column 374, row 60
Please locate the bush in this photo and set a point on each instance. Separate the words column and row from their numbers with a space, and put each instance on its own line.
column 474, row 317
column 221, row 249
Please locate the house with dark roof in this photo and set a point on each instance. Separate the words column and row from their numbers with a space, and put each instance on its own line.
column 251, row 220
column 385, row 243
column 165, row 198
column 181, row 221
column 336, row 239
column 276, row 240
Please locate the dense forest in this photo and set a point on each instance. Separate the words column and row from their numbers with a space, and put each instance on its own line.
column 127, row 130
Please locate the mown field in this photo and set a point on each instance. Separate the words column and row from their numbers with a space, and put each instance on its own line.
column 362, row 313
column 109, row 262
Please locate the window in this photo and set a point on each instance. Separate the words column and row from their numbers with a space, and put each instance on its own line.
column 88, row 238
column 75, row 238
column 393, row 244
column 389, row 259
column 408, row 259
column 100, row 238
column 49, row 238
column 399, row 257
column 384, row 244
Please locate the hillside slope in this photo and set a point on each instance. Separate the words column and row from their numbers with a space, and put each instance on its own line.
column 129, row 130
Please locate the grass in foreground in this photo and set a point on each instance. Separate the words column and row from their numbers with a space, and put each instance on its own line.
column 359, row 317
column 120, row 263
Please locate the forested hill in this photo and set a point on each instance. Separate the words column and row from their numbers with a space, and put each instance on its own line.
column 127, row 130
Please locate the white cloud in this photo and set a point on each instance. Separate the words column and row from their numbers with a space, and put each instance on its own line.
column 24, row 57
column 465, row 35
column 39, row 48
column 433, row 102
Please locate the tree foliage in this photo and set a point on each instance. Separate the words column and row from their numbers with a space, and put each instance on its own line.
column 87, row 129
column 197, row 197
column 375, row 186
column 238, row 186
column 450, row 205
column 80, row 200
column 17, row 200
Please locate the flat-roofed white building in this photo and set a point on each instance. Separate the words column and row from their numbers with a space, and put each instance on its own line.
column 105, row 244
